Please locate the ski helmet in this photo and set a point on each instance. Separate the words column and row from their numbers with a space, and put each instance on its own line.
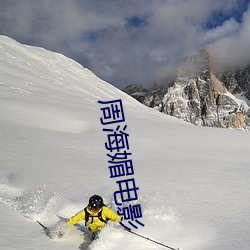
column 95, row 202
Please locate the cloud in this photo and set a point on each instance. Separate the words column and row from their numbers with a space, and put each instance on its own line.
column 228, row 28
column 233, row 49
column 125, row 42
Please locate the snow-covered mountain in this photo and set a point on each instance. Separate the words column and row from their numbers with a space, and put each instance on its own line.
column 201, row 96
column 237, row 81
column 193, row 181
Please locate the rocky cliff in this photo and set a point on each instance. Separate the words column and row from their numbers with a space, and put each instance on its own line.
column 200, row 96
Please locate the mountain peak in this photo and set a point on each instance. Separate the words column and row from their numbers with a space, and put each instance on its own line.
column 197, row 64
column 200, row 96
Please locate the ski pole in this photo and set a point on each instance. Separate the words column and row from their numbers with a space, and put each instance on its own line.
column 45, row 228
column 159, row 243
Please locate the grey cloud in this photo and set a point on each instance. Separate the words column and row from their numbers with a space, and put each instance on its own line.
column 123, row 42
column 233, row 49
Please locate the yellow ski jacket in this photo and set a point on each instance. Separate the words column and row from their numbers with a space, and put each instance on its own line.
column 94, row 223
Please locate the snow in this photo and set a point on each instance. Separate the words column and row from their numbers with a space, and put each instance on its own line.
column 194, row 182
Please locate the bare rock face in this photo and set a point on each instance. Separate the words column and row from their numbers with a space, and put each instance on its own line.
column 137, row 91
column 237, row 81
column 199, row 97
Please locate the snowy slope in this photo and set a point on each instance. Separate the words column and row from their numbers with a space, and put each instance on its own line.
column 194, row 182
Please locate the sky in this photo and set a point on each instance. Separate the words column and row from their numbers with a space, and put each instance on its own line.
column 132, row 41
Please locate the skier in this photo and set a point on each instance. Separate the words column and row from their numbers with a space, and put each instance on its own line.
column 95, row 214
